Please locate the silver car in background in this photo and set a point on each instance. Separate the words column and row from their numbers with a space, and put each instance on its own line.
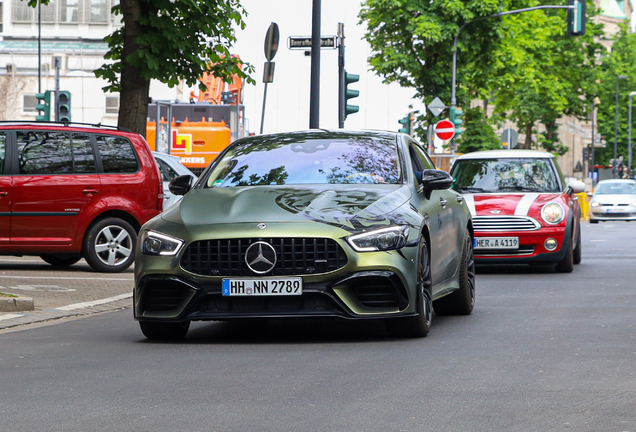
column 170, row 168
column 613, row 200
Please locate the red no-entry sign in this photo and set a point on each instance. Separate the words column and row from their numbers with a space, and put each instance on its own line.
column 445, row 129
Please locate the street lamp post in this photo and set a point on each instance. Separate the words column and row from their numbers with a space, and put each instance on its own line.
column 629, row 138
column 614, row 167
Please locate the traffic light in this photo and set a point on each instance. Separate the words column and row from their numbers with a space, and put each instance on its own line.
column 63, row 106
column 43, row 106
column 350, row 93
column 406, row 122
column 576, row 18
column 455, row 116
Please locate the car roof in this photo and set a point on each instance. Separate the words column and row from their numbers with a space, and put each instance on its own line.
column 616, row 181
column 507, row 154
column 325, row 134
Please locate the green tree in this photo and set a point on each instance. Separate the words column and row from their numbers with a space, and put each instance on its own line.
column 167, row 40
column 412, row 44
column 478, row 134
column 620, row 61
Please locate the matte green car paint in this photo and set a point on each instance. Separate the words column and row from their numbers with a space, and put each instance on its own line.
column 333, row 211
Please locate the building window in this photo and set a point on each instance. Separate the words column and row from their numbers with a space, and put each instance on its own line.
column 22, row 12
column 70, row 11
column 48, row 12
column 112, row 104
column 98, row 13
column 28, row 103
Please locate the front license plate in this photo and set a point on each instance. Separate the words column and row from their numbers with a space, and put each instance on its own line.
column 614, row 210
column 263, row 286
column 496, row 242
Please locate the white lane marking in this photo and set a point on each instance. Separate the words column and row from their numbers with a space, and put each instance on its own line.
column 11, row 315
column 94, row 303
column 523, row 207
column 470, row 203
column 64, row 278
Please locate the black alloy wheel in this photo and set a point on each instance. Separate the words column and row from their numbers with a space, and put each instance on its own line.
column 461, row 301
column 419, row 325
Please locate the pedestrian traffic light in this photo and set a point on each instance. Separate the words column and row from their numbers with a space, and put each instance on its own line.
column 406, row 122
column 455, row 116
column 63, row 106
column 576, row 18
column 350, row 93
column 43, row 106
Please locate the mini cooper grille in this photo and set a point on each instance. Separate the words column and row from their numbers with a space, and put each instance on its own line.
column 294, row 256
column 504, row 223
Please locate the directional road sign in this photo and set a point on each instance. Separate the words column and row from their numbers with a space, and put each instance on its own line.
column 436, row 107
column 445, row 129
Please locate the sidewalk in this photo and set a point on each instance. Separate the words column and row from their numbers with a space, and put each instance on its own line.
column 59, row 293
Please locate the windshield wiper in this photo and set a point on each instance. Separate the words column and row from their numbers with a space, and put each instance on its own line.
column 473, row 189
column 521, row 188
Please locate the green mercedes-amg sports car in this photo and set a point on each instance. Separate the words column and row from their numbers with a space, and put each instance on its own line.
column 356, row 225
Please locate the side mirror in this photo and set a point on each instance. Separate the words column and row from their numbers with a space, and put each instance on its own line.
column 590, row 194
column 180, row 185
column 433, row 179
column 577, row 186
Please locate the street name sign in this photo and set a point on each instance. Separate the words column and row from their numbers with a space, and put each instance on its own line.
column 445, row 129
column 304, row 42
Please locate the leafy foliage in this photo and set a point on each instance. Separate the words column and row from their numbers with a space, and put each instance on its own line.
column 478, row 135
column 620, row 61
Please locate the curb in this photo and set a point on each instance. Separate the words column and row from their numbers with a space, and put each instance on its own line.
column 16, row 303
column 14, row 319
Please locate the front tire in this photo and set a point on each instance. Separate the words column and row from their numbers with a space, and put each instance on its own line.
column 566, row 265
column 61, row 260
column 577, row 250
column 462, row 301
column 164, row 331
column 417, row 326
column 109, row 245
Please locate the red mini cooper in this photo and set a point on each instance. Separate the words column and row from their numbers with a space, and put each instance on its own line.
column 523, row 210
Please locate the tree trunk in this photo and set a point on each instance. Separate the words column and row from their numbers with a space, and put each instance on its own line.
column 528, row 142
column 133, row 99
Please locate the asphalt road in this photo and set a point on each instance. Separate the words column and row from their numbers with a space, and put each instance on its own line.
column 542, row 352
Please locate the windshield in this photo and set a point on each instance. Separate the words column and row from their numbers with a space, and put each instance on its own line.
column 616, row 188
column 504, row 175
column 312, row 161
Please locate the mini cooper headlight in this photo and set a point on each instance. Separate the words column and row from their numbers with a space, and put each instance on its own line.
column 154, row 243
column 552, row 213
column 380, row 240
column 595, row 204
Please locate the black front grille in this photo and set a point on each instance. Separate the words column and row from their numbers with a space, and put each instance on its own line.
column 308, row 303
column 164, row 295
column 378, row 293
column 294, row 256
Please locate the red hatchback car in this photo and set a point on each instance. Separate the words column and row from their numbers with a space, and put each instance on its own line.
column 523, row 210
column 69, row 191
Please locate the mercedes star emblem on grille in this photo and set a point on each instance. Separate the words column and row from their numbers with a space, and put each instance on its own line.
column 260, row 257
column 261, row 226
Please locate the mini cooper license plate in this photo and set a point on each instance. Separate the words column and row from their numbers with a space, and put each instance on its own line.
column 482, row 243
column 263, row 287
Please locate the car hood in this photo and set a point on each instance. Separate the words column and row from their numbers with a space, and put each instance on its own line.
column 348, row 206
column 508, row 204
column 615, row 198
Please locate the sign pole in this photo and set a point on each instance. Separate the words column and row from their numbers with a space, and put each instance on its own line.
column 314, row 90
column 341, row 76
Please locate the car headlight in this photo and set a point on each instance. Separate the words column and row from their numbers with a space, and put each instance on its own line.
column 595, row 204
column 633, row 204
column 552, row 213
column 154, row 243
column 380, row 240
